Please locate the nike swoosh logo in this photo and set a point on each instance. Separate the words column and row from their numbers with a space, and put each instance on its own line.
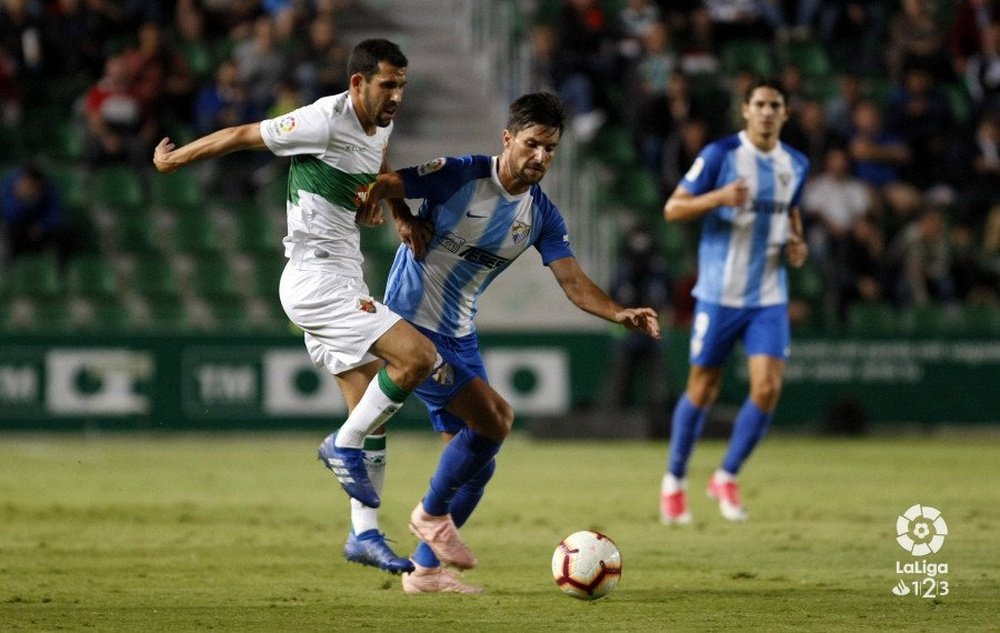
column 470, row 214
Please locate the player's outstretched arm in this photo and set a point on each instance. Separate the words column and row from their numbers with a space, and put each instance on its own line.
column 167, row 157
column 588, row 296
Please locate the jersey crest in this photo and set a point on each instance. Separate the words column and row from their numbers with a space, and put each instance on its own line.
column 431, row 166
column 520, row 231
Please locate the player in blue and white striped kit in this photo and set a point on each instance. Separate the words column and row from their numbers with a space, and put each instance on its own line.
column 481, row 213
column 745, row 189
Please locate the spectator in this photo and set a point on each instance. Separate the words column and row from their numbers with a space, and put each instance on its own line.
column 640, row 278
column 74, row 33
column 261, row 63
column 920, row 114
column 860, row 274
column 808, row 132
column 921, row 260
column 319, row 65
column 975, row 283
column 839, row 108
column 10, row 91
column 737, row 19
column 34, row 215
column 698, row 52
column 21, row 34
column 833, row 201
column 637, row 18
column 224, row 103
column 972, row 17
column 681, row 149
column 879, row 157
column 854, row 33
column 118, row 125
column 161, row 79
column 588, row 58
column 982, row 73
column 916, row 37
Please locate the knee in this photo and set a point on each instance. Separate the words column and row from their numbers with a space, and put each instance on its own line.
column 418, row 362
column 765, row 394
column 497, row 420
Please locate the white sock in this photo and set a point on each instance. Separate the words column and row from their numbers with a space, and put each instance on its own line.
column 381, row 400
column 364, row 518
column 723, row 476
column 672, row 484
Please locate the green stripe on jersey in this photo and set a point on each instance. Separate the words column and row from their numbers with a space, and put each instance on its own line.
column 313, row 175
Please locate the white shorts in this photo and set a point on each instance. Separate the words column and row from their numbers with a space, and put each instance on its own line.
column 340, row 318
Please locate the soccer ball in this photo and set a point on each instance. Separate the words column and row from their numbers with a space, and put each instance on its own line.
column 587, row 565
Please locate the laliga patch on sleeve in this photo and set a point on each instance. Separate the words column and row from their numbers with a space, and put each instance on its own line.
column 286, row 125
column 430, row 167
column 695, row 170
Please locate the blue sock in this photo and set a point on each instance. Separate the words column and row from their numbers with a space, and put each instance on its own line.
column 465, row 501
column 749, row 428
column 464, row 456
column 685, row 429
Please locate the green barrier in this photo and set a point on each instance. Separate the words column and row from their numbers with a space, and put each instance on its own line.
column 245, row 383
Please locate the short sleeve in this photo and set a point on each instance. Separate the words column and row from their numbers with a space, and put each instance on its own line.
column 302, row 131
column 553, row 239
column 704, row 172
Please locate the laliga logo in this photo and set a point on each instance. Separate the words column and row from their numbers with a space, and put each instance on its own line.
column 921, row 530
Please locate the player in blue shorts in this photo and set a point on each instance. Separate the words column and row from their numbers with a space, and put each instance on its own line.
column 482, row 212
column 745, row 189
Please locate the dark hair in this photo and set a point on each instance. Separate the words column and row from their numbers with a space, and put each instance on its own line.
column 538, row 108
column 766, row 82
column 367, row 54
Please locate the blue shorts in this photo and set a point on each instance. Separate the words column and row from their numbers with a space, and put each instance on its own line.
column 463, row 362
column 716, row 328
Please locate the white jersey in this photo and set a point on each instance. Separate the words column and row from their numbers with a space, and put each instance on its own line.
column 332, row 159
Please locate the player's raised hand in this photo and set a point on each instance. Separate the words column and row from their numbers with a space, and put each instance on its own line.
column 162, row 156
column 642, row 319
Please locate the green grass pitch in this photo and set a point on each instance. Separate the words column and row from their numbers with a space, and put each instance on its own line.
column 228, row 533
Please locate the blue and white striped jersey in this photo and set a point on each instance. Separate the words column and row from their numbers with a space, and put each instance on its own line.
column 479, row 229
column 740, row 255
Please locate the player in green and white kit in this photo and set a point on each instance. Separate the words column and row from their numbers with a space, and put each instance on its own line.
column 337, row 147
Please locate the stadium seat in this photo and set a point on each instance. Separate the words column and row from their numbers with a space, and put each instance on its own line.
column 92, row 276
column 874, row 318
column 154, row 278
column 230, row 314
column 752, row 55
column 118, row 187
column 267, row 276
column 979, row 320
column 195, row 234
column 166, row 315
column 212, row 278
column 136, row 233
column 926, row 320
column 809, row 56
column 109, row 314
column 178, row 191
column 613, row 145
column 255, row 234
column 36, row 276
column 637, row 189
column 51, row 314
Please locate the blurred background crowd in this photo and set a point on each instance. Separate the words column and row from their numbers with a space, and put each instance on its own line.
column 896, row 104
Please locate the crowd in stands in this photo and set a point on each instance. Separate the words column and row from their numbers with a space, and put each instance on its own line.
column 87, row 89
column 896, row 104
